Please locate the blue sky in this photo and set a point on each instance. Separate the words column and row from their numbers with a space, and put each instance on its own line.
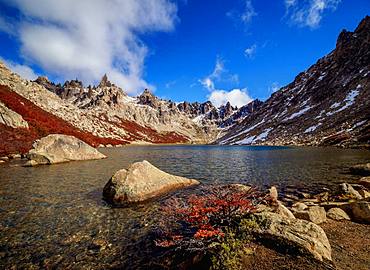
column 185, row 50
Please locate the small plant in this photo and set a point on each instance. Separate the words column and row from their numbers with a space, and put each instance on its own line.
column 217, row 223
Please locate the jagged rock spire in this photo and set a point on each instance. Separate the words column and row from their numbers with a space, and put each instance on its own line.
column 105, row 82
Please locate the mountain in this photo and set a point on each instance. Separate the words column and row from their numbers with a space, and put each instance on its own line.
column 102, row 115
column 328, row 104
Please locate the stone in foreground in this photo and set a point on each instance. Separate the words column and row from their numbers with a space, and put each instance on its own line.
column 294, row 234
column 140, row 182
column 57, row 148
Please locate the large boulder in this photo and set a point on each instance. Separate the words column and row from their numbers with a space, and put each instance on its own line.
column 58, row 148
column 361, row 169
column 140, row 182
column 294, row 235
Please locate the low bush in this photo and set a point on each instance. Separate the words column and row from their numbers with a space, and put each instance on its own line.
column 216, row 224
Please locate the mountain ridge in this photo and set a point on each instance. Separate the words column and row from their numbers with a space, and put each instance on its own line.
column 328, row 104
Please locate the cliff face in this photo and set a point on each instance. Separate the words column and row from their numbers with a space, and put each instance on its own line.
column 329, row 104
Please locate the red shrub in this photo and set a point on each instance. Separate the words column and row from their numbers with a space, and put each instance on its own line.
column 204, row 218
column 41, row 123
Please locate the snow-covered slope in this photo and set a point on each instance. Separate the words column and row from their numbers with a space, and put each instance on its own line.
column 329, row 104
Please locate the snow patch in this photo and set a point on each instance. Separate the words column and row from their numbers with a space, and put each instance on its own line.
column 349, row 100
column 312, row 128
column 252, row 139
column 302, row 111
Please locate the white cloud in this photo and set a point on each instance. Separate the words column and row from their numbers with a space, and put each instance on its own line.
column 88, row 38
column 236, row 97
column 249, row 12
column 23, row 70
column 219, row 74
column 249, row 52
column 246, row 16
column 309, row 12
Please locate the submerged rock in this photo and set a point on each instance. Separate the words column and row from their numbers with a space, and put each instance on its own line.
column 294, row 234
column 337, row 214
column 140, row 182
column 57, row 148
column 361, row 169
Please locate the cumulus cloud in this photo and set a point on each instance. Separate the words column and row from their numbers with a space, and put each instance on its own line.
column 236, row 97
column 23, row 70
column 88, row 38
column 309, row 12
column 249, row 52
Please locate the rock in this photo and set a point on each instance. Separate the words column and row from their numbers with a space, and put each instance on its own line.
column 295, row 234
column 283, row 211
column 349, row 190
column 364, row 193
column 337, row 214
column 273, row 194
column 2, row 161
column 315, row 214
column 11, row 118
column 365, row 181
column 361, row 169
column 140, row 182
column 361, row 211
column 4, row 158
column 15, row 156
column 58, row 148
column 299, row 206
column 322, row 197
column 240, row 187
column 345, row 206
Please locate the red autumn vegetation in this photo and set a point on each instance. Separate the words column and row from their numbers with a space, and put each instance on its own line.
column 41, row 123
column 205, row 218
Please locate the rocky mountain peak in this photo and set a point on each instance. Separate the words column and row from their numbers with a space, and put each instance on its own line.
column 147, row 98
column 73, row 84
column 364, row 25
column 105, row 82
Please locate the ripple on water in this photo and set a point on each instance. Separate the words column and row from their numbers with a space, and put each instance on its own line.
column 55, row 216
